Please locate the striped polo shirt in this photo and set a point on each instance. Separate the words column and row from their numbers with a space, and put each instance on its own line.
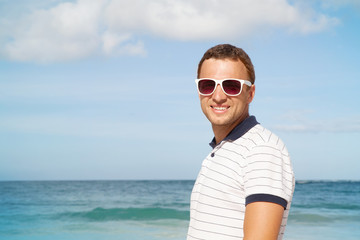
column 251, row 164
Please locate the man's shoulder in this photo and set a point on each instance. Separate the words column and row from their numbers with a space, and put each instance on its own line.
column 261, row 136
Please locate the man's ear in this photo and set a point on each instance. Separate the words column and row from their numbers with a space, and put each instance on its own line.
column 251, row 94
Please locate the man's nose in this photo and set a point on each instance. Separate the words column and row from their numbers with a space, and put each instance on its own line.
column 218, row 95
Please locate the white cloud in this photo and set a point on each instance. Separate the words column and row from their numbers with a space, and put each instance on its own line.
column 118, row 44
column 203, row 19
column 67, row 31
column 111, row 40
column 73, row 30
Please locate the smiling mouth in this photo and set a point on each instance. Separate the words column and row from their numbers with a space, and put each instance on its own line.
column 219, row 108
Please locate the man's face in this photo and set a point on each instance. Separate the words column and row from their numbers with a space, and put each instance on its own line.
column 220, row 109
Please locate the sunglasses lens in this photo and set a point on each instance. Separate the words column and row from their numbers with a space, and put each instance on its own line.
column 231, row 87
column 206, row 86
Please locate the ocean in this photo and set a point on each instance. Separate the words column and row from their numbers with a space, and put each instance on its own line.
column 156, row 210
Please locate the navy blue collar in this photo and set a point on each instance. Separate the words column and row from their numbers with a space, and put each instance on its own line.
column 238, row 131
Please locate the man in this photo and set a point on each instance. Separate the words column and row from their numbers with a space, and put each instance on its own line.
column 245, row 185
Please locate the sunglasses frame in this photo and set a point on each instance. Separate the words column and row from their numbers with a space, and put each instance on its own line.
column 220, row 82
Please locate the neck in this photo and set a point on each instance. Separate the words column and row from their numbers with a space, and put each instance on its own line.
column 221, row 131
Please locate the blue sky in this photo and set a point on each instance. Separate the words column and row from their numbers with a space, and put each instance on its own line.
column 105, row 89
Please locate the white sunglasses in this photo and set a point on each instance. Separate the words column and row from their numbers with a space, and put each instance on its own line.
column 230, row 86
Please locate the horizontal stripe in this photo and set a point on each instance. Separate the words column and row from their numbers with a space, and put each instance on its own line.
column 222, row 217
column 215, row 180
column 280, row 151
column 217, row 224
column 189, row 235
column 268, row 186
column 218, row 172
column 269, row 170
column 209, row 205
column 232, row 151
column 217, row 198
column 228, row 168
column 241, row 145
column 263, row 156
column 217, row 233
column 227, row 158
column 247, row 140
column 218, row 190
column 272, row 179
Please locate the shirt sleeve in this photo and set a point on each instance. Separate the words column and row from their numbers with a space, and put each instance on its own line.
column 268, row 174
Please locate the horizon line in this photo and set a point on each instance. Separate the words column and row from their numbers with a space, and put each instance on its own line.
column 299, row 181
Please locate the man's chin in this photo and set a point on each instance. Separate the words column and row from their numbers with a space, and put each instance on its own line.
column 219, row 122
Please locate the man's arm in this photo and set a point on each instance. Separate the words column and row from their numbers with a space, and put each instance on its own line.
column 262, row 221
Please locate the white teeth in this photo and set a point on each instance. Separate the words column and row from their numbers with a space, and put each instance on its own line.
column 220, row 108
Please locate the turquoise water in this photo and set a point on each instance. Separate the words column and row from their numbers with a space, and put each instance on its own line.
column 155, row 210
column 325, row 210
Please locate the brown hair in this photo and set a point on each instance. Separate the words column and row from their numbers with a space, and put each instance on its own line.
column 227, row 51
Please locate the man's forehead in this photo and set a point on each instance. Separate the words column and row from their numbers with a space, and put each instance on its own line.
column 223, row 65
